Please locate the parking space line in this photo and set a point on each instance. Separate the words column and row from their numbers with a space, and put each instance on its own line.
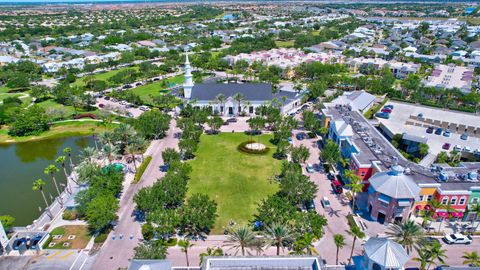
column 53, row 255
column 67, row 255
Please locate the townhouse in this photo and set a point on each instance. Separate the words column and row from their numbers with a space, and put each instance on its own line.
column 399, row 69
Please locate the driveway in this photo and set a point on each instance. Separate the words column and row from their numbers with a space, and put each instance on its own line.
column 118, row 248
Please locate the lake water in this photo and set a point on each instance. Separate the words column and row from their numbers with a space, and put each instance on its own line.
column 23, row 163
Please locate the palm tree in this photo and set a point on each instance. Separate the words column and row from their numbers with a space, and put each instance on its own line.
column 68, row 152
column 277, row 234
column 471, row 259
column 106, row 137
column 133, row 147
column 304, row 245
column 239, row 98
column 221, row 99
column 241, row 239
column 355, row 185
column 51, row 170
column 407, row 234
column 211, row 252
column 356, row 232
column 475, row 208
column 38, row 185
column 435, row 204
column 88, row 154
column 109, row 151
column 61, row 161
column 125, row 132
column 424, row 258
column 185, row 245
column 436, row 253
column 339, row 241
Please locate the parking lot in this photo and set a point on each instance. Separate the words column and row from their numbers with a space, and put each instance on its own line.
column 405, row 118
column 115, row 106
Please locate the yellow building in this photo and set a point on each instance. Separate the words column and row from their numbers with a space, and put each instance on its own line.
column 427, row 190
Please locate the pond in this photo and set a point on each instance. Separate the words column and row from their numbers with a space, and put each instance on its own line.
column 23, row 163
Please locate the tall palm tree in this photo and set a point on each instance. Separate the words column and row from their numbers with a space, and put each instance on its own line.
column 124, row 133
column 424, row 258
column 356, row 232
column 211, row 252
column 68, row 152
column 277, row 234
column 51, row 170
column 106, row 137
column 61, row 161
column 241, row 239
column 436, row 205
column 185, row 245
column 239, row 98
column 38, row 185
column 135, row 145
column 471, row 259
column 436, row 253
column 88, row 154
column 408, row 234
column 109, row 152
column 355, row 185
column 221, row 99
column 339, row 241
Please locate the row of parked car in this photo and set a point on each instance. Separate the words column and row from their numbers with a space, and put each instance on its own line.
column 446, row 132
column 385, row 112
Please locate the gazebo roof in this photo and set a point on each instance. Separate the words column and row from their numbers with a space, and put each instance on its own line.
column 386, row 252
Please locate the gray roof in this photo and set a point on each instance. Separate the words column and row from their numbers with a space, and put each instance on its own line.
column 395, row 183
column 386, row 252
column 361, row 99
column 246, row 263
column 250, row 91
column 150, row 265
column 414, row 138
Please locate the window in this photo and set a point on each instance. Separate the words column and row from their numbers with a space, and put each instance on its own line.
column 445, row 200
column 250, row 110
column 422, row 197
column 362, row 173
column 453, row 200
column 462, row 200
column 429, row 198
column 474, row 201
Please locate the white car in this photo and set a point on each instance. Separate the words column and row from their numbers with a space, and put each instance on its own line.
column 457, row 238
column 310, row 168
column 326, row 203
column 458, row 148
column 467, row 149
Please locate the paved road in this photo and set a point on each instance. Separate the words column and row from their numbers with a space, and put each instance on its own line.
column 117, row 252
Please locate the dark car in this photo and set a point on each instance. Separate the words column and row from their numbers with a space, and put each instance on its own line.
column 390, row 106
column 127, row 86
column 300, row 136
column 430, row 130
column 337, row 186
column 18, row 243
column 446, row 146
column 330, row 176
column 385, row 110
column 107, row 98
column 101, row 105
column 138, row 84
column 438, row 131
column 310, row 205
column 383, row 115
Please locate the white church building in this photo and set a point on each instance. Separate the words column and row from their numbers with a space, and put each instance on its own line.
column 220, row 96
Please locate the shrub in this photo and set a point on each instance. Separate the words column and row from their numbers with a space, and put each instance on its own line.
column 70, row 215
column 101, row 237
column 141, row 169
column 243, row 148
column 171, row 242
column 147, row 231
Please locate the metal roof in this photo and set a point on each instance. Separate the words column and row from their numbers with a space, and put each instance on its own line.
column 250, row 91
column 386, row 252
column 395, row 183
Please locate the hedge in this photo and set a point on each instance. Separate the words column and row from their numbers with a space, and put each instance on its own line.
column 141, row 169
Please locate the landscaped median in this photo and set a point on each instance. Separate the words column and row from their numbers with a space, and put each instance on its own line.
column 374, row 109
column 141, row 169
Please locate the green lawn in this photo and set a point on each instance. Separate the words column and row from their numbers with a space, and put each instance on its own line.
column 104, row 76
column 155, row 88
column 284, row 44
column 236, row 181
column 50, row 103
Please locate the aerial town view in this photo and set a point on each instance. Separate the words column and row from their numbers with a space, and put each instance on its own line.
column 239, row 135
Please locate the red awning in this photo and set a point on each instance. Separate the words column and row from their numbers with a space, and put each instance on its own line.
column 442, row 214
column 427, row 207
column 418, row 207
column 457, row 214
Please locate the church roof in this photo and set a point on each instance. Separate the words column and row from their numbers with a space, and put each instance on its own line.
column 250, row 91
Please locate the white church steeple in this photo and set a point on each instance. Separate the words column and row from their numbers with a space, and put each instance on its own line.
column 188, row 85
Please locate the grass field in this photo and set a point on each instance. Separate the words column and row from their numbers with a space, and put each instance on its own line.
column 155, row 88
column 284, row 44
column 50, row 103
column 236, row 181
column 104, row 76
column 82, row 236
column 60, row 130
